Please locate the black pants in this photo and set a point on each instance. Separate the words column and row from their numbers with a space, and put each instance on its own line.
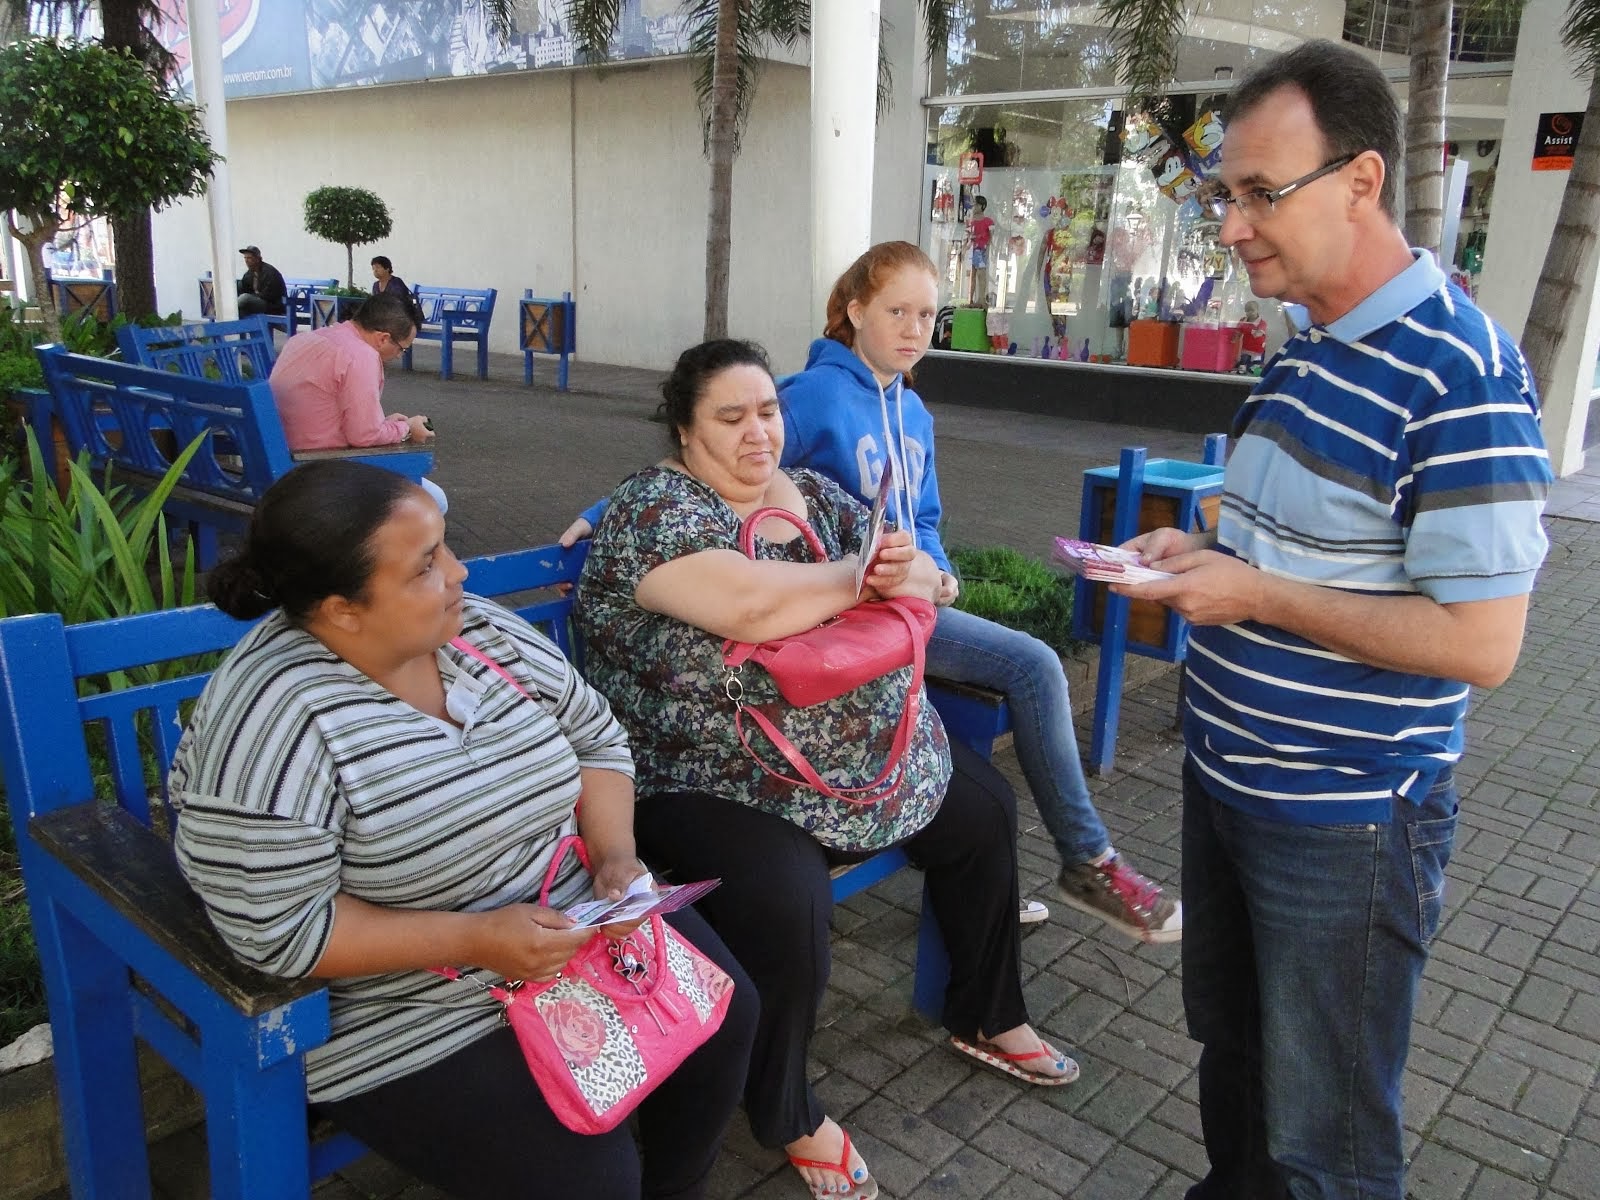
column 475, row 1124
column 773, row 907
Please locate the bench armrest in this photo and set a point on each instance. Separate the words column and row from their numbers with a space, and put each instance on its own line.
column 133, row 869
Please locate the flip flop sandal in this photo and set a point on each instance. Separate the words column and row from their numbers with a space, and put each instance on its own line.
column 993, row 1056
column 865, row 1188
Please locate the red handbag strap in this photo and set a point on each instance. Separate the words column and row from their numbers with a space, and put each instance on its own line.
column 571, row 842
column 467, row 648
column 747, row 531
column 867, row 793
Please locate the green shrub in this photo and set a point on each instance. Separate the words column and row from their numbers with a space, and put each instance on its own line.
column 1009, row 588
column 89, row 556
column 19, row 369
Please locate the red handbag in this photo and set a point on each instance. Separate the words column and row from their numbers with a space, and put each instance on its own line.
column 822, row 663
column 619, row 1017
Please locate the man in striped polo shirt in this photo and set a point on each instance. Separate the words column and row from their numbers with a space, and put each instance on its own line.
column 1379, row 537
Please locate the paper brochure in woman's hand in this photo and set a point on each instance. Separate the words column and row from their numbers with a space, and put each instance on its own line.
column 1104, row 564
column 877, row 522
column 644, row 898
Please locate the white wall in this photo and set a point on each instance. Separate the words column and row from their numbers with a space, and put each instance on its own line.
column 897, row 196
column 589, row 181
column 1523, row 212
column 1521, row 219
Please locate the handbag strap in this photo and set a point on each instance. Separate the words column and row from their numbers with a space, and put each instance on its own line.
column 471, row 651
column 867, row 793
column 747, row 531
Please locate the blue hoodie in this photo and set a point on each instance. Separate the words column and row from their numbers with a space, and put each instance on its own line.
column 837, row 421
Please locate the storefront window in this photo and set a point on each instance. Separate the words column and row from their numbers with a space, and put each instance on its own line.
column 1083, row 224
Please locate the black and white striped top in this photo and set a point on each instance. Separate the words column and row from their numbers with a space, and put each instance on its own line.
column 298, row 777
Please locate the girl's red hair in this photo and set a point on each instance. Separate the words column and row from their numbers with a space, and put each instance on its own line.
column 864, row 279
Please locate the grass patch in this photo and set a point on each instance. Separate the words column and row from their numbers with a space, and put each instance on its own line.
column 1006, row 586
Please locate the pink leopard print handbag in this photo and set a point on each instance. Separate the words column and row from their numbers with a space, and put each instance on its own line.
column 617, row 1019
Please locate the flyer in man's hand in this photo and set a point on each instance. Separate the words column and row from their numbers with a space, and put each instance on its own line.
column 877, row 522
column 644, row 898
column 1104, row 564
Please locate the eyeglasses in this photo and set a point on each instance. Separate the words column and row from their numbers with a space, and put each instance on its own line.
column 1259, row 203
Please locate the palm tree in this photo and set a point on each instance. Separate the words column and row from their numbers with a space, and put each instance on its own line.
column 1569, row 262
column 1429, row 49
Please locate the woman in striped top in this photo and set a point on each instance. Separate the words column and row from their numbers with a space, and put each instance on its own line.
column 359, row 800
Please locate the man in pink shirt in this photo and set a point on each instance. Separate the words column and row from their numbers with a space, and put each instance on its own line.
column 328, row 383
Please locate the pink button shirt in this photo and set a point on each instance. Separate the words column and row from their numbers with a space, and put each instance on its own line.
column 328, row 385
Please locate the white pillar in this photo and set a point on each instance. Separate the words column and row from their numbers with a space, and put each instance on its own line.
column 205, row 54
column 844, row 97
column 1521, row 218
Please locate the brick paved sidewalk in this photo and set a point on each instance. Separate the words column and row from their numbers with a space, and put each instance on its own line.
column 1501, row 1097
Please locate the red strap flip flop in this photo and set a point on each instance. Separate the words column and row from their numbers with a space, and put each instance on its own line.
column 865, row 1188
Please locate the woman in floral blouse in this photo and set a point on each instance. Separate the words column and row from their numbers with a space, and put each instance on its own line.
column 665, row 583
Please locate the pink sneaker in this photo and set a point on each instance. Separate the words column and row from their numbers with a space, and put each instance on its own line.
column 1123, row 899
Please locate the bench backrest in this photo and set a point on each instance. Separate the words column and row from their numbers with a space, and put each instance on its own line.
column 228, row 351
column 54, row 702
column 466, row 307
column 138, row 419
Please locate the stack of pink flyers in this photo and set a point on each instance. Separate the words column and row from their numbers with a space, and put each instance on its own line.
column 1104, row 564
column 644, row 898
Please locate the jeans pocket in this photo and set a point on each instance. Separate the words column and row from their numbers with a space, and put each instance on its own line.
column 1430, row 843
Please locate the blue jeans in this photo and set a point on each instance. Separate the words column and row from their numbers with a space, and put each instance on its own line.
column 969, row 649
column 1302, row 949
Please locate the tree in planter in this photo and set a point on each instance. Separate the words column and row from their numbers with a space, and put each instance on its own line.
column 87, row 132
column 124, row 25
column 351, row 216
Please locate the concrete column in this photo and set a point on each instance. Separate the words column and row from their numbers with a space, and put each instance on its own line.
column 844, row 89
column 1522, row 216
column 205, row 54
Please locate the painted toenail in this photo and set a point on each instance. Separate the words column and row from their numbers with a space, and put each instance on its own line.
column 860, row 1173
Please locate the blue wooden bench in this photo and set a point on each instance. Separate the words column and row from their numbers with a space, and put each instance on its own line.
column 239, row 351
column 127, row 950
column 450, row 315
column 296, row 301
column 134, row 419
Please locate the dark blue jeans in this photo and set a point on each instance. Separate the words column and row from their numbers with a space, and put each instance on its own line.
column 1302, row 949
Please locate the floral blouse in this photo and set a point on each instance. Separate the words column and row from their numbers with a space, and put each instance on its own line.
column 664, row 678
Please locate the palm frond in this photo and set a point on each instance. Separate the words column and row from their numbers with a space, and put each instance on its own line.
column 936, row 25
column 501, row 16
column 1581, row 34
column 782, row 21
column 1144, row 40
column 593, row 23
column 749, row 63
column 885, row 67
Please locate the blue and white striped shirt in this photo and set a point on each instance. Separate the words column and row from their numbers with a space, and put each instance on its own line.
column 1394, row 451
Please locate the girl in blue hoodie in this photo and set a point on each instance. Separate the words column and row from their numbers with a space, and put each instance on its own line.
column 848, row 413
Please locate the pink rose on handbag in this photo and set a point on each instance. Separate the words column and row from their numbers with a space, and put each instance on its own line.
column 578, row 1031
column 713, row 980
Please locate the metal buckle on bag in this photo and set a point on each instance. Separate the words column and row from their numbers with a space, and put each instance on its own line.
column 733, row 686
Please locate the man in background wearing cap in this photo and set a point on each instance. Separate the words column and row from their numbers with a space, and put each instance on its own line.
column 261, row 287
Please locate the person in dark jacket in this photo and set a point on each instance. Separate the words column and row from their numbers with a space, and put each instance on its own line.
column 261, row 287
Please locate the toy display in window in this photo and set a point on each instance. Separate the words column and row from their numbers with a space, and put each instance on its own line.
column 1253, row 345
column 980, row 232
